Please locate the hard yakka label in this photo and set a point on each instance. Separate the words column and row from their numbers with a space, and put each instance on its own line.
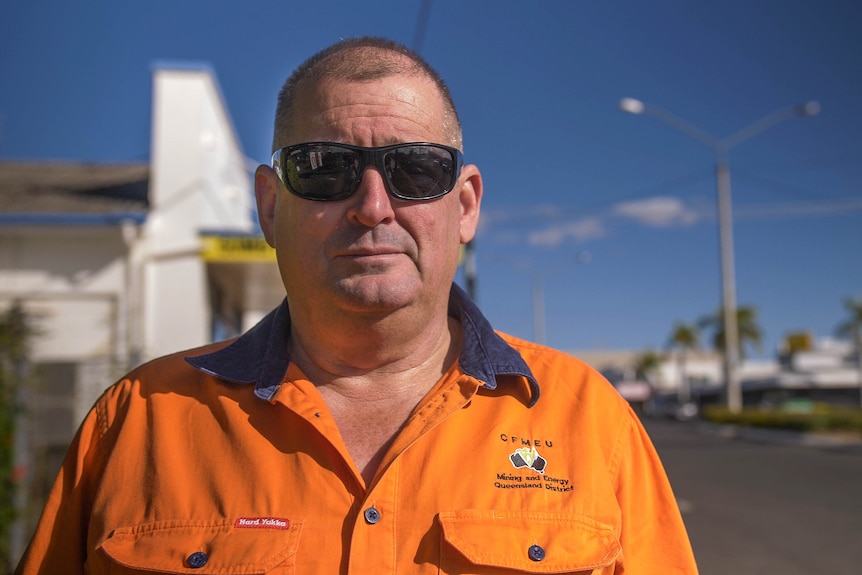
column 261, row 523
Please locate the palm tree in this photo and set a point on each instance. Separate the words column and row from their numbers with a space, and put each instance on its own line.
column 852, row 327
column 645, row 364
column 684, row 337
column 747, row 326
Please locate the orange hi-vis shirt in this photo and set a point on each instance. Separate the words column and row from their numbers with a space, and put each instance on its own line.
column 225, row 460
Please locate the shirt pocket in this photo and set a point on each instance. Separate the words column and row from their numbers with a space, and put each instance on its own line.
column 202, row 548
column 481, row 541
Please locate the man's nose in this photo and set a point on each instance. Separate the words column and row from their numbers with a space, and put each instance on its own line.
column 371, row 204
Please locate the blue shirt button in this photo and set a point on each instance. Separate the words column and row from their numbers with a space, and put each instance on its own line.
column 536, row 552
column 372, row 516
column 197, row 560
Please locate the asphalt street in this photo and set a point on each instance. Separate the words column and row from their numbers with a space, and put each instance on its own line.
column 756, row 507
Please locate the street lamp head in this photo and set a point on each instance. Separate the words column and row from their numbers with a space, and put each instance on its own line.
column 811, row 108
column 631, row 106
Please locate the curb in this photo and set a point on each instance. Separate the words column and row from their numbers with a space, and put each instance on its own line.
column 781, row 436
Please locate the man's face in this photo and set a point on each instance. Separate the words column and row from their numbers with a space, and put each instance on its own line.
column 371, row 253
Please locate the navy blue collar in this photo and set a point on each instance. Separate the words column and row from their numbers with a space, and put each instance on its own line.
column 260, row 355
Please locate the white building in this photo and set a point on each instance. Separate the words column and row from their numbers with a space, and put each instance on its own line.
column 117, row 264
column 825, row 371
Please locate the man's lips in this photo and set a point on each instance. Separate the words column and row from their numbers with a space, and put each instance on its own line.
column 367, row 253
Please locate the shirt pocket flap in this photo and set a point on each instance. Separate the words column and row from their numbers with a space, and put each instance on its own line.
column 535, row 542
column 203, row 547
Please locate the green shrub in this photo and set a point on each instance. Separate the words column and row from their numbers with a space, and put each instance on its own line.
column 14, row 334
column 821, row 417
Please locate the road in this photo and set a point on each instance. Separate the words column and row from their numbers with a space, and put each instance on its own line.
column 755, row 508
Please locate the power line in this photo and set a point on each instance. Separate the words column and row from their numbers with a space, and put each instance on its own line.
column 421, row 26
column 776, row 185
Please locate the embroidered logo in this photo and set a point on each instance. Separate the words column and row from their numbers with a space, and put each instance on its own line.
column 528, row 457
column 261, row 523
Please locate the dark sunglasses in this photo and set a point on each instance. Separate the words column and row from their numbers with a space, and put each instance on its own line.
column 327, row 171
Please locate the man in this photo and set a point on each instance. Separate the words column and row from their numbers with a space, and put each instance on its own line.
column 374, row 422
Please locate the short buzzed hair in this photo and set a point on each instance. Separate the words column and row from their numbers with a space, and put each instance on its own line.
column 361, row 60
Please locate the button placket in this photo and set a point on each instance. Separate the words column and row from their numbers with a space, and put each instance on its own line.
column 372, row 542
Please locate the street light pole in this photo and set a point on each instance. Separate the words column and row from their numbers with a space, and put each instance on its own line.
column 538, row 312
column 721, row 147
column 539, row 276
column 728, row 285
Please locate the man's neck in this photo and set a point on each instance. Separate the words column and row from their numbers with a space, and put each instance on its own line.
column 372, row 379
column 376, row 355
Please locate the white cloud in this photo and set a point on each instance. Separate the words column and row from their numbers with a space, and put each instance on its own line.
column 581, row 230
column 501, row 216
column 658, row 212
column 507, row 237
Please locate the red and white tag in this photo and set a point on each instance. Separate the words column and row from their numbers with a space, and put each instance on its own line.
column 262, row 523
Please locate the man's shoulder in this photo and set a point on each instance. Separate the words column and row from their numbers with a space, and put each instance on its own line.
column 176, row 362
column 164, row 374
column 538, row 355
column 560, row 374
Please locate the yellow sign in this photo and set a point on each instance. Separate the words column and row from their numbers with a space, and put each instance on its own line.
column 236, row 249
column 797, row 341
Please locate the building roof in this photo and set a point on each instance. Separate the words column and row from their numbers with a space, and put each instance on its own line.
column 51, row 192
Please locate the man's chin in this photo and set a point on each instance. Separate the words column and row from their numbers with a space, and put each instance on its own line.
column 375, row 294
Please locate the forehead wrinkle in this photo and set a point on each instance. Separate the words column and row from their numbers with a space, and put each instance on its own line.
column 365, row 119
column 404, row 122
column 385, row 111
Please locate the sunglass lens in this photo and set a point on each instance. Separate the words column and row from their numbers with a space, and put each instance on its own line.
column 322, row 172
column 420, row 172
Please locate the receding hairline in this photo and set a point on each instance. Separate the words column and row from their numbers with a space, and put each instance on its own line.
column 363, row 59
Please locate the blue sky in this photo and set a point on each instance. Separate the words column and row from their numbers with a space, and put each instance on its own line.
column 537, row 86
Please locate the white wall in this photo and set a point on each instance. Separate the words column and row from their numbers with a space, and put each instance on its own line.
column 199, row 181
column 71, row 280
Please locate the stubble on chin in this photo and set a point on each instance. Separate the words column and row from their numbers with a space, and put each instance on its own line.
column 374, row 291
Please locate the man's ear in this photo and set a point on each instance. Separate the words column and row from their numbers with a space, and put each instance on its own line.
column 470, row 197
column 266, row 186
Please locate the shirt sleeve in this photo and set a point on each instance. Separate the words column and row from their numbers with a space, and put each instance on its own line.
column 60, row 540
column 653, row 536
